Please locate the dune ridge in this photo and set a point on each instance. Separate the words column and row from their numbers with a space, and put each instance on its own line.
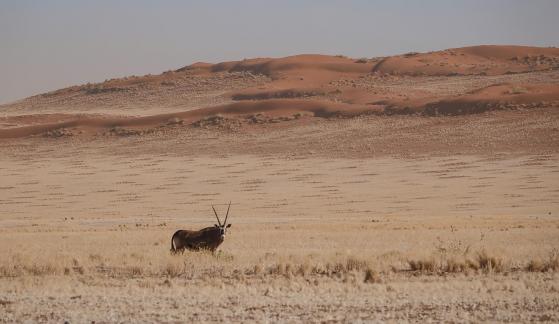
column 272, row 108
column 279, row 89
column 496, row 97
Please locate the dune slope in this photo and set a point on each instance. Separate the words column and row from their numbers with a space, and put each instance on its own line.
column 450, row 82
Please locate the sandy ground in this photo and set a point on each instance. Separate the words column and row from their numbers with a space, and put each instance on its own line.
column 362, row 217
column 86, row 231
column 513, row 298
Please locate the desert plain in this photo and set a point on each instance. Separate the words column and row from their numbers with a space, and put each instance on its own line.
column 412, row 188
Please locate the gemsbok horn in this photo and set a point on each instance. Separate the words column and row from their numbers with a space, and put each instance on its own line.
column 208, row 238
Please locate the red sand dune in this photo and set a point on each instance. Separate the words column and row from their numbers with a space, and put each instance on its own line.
column 310, row 70
column 505, row 96
column 496, row 97
column 306, row 62
column 487, row 60
column 315, row 84
column 272, row 108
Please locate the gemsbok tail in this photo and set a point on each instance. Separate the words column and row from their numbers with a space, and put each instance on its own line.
column 173, row 249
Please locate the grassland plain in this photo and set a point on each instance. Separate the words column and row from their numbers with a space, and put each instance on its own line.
column 86, row 236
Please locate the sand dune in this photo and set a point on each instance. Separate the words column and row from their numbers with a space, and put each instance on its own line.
column 297, row 63
column 486, row 60
column 283, row 89
column 286, row 108
column 498, row 97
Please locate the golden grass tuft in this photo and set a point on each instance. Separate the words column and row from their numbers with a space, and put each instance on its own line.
column 372, row 276
column 172, row 270
column 489, row 263
column 483, row 261
column 427, row 265
column 551, row 264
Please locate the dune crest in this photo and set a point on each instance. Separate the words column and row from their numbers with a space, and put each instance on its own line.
column 476, row 60
column 450, row 82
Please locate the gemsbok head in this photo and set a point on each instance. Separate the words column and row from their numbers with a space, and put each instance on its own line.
column 208, row 238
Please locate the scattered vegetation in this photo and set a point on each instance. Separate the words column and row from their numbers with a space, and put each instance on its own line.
column 91, row 89
column 545, row 265
column 517, row 90
column 202, row 265
column 410, row 54
column 483, row 262
column 453, row 256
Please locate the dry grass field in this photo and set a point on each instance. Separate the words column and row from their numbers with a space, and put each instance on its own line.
column 376, row 217
column 86, row 235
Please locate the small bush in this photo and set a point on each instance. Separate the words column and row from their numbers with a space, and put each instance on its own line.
column 483, row 261
column 136, row 271
column 489, row 263
column 517, row 90
column 551, row 264
column 371, row 276
column 172, row 270
column 429, row 265
column 353, row 264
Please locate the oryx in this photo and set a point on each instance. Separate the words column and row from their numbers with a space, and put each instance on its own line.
column 208, row 238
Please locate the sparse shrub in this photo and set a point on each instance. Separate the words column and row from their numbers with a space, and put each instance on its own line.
column 257, row 269
column 429, row 265
column 489, row 263
column 536, row 265
column 455, row 266
column 353, row 264
column 410, row 54
column 172, row 270
column 452, row 247
column 517, row 90
column 371, row 276
column 223, row 256
column 40, row 269
column 10, row 271
column 459, row 264
column 136, row 271
column 79, row 270
column 551, row 264
column 95, row 257
column 277, row 269
column 302, row 270
column 335, row 268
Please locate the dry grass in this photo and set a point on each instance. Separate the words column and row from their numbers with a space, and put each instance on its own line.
column 190, row 265
column 453, row 256
column 482, row 262
column 133, row 284
column 313, row 239
column 550, row 264
column 228, row 266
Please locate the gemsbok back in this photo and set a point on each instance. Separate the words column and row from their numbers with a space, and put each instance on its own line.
column 208, row 238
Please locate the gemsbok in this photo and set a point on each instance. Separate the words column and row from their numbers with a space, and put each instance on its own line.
column 208, row 238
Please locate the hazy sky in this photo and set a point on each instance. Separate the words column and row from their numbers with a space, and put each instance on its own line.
column 46, row 45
